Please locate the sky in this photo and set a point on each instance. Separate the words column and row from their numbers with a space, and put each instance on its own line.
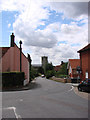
column 46, row 27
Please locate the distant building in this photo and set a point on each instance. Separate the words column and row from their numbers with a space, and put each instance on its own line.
column 72, row 68
column 85, row 62
column 36, row 66
column 57, row 67
column 44, row 62
column 10, row 59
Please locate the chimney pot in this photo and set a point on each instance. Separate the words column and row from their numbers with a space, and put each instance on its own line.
column 12, row 40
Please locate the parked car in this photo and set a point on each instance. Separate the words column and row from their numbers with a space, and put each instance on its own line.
column 84, row 85
column 42, row 76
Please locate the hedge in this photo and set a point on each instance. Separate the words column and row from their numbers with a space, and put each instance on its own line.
column 10, row 79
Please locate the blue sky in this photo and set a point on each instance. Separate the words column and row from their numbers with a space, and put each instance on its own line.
column 45, row 28
column 8, row 17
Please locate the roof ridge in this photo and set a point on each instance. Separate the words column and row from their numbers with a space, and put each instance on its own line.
column 87, row 47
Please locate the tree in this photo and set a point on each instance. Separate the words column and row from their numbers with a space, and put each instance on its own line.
column 63, row 69
column 49, row 70
column 41, row 70
column 50, row 73
column 49, row 66
column 34, row 73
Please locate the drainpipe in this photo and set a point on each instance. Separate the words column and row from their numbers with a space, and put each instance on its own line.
column 20, row 56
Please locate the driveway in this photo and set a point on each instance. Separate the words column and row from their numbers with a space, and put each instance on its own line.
column 48, row 99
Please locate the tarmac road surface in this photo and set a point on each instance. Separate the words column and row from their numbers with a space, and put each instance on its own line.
column 48, row 99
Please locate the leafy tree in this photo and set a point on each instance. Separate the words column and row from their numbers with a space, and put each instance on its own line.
column 34, row 73
column 49, row 66
column 49, row 70
column 41, row 70
column 49, row 73
column 63, row 69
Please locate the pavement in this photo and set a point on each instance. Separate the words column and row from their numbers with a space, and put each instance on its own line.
column 84, row 95
column 75, row 84
column 20, row 88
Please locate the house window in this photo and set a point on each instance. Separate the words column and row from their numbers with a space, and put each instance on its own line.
column 74, row 71
column 86, row 74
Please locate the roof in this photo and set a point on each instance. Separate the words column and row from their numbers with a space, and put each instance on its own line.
column 74, row 63
column 57, row 68
column 85, row 48
column 21, row 52
column 3, row 50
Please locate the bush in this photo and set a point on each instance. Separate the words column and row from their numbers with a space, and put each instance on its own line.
column 49, row 73
column 40, row 70
column 61, row 76
column 34, row 73
column 10, row 79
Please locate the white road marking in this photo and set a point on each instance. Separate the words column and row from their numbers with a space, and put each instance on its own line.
column 14, row 109
column 71, row 89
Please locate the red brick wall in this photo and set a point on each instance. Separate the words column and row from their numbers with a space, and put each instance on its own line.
column 11, row 62
column 84, row 62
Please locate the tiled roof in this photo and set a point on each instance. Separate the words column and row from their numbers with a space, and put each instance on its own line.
column 74, row 63
column 85, row 48
column 3, row 51
column 57, row 68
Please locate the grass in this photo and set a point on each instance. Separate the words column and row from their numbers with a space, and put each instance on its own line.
column 62, row 81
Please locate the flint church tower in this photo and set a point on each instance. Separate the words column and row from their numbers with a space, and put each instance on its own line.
column 44, row 62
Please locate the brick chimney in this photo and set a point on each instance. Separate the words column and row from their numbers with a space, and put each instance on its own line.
column 12, row 40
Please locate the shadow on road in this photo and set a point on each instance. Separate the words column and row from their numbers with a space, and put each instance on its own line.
column 32, row 85
column 35, row 85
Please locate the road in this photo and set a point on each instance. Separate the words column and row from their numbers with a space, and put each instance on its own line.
column 48, row 99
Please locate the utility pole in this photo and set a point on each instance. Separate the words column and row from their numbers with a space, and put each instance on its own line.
column 20, row 56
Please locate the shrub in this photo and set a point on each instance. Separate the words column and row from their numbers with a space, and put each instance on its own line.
column 10, row 79
column 49, row 73
column 34, row 73
column 61, row 76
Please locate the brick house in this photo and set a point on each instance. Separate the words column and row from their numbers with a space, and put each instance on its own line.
column 85, row 62
column 57, row 67
column 10, row 60
column 72, row 68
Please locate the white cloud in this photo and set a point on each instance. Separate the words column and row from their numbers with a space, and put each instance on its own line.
column 40, row 38
column 74, row 10
column 44, row 42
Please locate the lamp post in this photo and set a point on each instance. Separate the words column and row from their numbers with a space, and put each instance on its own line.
column 20, row 56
